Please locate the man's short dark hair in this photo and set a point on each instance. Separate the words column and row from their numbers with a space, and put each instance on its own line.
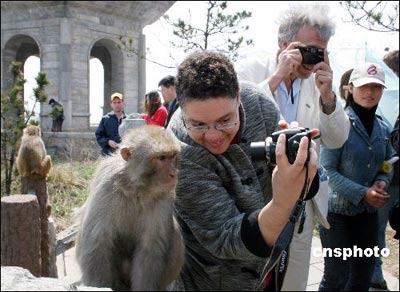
column 167, row 81
column 206, row 74
column 392, row 60
column 51, row 101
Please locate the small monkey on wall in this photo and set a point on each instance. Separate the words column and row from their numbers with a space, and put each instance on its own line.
column 129, row 238
column 32, row 160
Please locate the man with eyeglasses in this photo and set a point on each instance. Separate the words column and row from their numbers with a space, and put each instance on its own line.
column 230, row 209
column 299, row 78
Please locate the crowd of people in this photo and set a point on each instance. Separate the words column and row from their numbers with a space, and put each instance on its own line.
column 233, row 208
column 155, row 112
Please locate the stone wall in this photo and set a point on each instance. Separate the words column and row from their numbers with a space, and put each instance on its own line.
column 66, row 35
column 72, row 145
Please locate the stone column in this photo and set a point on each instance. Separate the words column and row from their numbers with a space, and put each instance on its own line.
column 65, row 70
column 142, row 70
column 20, row 232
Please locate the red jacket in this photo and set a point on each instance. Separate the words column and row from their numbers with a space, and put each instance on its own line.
column 158, row 118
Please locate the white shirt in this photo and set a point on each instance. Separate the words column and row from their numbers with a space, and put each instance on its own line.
column 284, row 100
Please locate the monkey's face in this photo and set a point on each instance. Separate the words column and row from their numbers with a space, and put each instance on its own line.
column 165, row 171
column 151, row 156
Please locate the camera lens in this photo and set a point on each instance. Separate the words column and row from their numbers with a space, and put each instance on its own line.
column 257, row 150
column 263, row 150
column 266, row 149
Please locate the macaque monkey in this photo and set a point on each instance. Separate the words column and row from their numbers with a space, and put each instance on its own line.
column 32, row 160
column 129, row 238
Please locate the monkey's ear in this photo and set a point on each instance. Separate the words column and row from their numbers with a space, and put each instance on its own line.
column 126, row 153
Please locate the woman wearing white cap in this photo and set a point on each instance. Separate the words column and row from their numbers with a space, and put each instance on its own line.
column 357, row 187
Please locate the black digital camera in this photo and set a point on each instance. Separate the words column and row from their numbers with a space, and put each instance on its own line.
column 311, row 55
column 266, row 149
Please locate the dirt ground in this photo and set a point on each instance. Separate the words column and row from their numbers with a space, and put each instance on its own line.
column 391, row 263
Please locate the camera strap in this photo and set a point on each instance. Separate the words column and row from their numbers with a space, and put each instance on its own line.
column 291, row 91
column 280, row 251
column 278, row 260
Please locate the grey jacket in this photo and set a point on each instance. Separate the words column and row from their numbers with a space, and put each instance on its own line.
column 216, row 192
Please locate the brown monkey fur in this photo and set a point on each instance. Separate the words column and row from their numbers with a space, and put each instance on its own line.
column 32, row 160
column 129, row 237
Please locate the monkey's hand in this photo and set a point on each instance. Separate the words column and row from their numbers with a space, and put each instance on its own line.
column 45, row 166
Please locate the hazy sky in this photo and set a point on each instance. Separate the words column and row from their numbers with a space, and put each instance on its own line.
column 263, row 31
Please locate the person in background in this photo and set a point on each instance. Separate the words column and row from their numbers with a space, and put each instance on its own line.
column 394, row 214
column 344, row 84
column 301, row 84
column 57, row 114
column 107, row 134
column 391, row 59
column 357, row 185
column 154, row 112
column 229, row 208
column 168, row 90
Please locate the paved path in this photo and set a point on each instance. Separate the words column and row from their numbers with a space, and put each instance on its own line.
column 317, row 269
column 72, row 273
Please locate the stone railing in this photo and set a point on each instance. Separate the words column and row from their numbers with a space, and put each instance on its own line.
column 72, row 145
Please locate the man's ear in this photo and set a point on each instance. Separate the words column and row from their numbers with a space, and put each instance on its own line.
column 125, row 153
column 283, row 45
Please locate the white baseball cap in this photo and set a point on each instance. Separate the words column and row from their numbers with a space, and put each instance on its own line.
column 367, row 73
column 117, row 95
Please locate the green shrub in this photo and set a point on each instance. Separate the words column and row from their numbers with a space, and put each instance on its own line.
column 67, row 185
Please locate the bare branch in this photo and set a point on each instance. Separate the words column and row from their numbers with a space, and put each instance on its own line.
column 382, row 16
column 131, row 51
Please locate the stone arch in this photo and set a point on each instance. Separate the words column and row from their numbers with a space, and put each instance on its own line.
column 111, row 57
column 18, row 48
column 70, row 32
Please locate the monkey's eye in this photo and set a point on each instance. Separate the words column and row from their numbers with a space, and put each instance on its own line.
column 162, row 157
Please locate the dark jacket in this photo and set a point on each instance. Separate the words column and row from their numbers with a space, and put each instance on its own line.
column 108, row 130
column 395, row 211
column 394, row 138
column 57, row 112
column 171, row 107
